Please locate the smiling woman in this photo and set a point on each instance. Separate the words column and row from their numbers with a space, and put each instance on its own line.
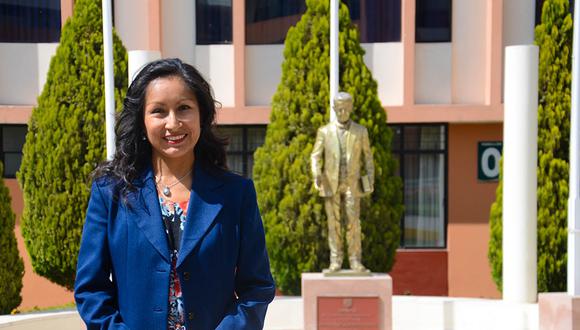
column 172, row 239
column 172, row 128
column 171, row 124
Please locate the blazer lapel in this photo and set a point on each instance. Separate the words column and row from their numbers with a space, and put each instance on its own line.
column 204, row 205
column 144, row 210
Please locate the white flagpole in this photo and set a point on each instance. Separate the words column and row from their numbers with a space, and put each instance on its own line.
column 334, row 60
column 109, row 78
column 573, row 198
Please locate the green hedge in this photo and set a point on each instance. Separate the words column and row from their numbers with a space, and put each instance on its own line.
column 65, row 142
column 293, row 213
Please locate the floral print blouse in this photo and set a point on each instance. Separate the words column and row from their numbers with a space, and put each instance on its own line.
column 173, row 215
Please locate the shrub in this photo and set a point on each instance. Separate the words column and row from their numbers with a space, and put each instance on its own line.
column 11, row 266
column 65, row 142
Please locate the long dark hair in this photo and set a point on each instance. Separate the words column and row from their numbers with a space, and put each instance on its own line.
column 133, row 151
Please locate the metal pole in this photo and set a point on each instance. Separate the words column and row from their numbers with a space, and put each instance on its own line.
column 334, row 60
column 109, row 78
column 573, row 198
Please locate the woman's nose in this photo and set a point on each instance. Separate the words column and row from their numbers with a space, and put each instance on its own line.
column 172, row 121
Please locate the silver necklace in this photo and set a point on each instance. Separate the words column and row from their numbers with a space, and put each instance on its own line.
column 166, row 189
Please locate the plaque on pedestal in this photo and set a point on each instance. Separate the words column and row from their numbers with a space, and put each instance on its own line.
column 347, row 302
column 345, row 313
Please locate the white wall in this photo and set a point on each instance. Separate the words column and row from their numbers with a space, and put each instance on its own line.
column 19, row 78
column 263, row 73
column 23, row 71
column 469, row 51
column 216, row 63
column 131, row 23
column 518, row 25
column 385, row 60
column 518, row 22
column 178, row 29
column 45, row 54
column 432, row 73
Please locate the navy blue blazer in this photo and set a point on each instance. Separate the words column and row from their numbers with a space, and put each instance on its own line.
column 123, row 269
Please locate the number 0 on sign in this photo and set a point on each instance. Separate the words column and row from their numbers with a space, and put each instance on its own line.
column 488, row 158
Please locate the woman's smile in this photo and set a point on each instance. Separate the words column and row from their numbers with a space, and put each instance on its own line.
column 175, row 139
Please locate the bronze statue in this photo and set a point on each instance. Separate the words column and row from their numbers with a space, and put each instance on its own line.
column 338, row 179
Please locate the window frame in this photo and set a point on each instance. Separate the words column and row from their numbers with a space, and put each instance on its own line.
column 401, row 152
column 417, row 41
column 252, row 40
column 365, row 39
column 245, row 152
column 34, row 36
column 3, row 153
column 199, row 42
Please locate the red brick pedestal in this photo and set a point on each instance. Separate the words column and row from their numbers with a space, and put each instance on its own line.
column 559, row 311
column 361, row 302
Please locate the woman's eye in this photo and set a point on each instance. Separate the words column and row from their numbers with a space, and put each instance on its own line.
column 184, row 107
column 156, row 110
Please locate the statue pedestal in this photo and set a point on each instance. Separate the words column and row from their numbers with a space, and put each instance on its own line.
column 347, row 302
column 558, row 311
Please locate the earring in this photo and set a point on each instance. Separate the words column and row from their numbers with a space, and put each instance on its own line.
column 144, row 138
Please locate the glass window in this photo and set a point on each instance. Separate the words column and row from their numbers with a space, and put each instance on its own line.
column 268, row 21
column 256, row 137
column 421, row 152
column 433, row 21
column 213, row 19
column 13, row 137
column 377, row 20
column 29, row 21
column 244, row 140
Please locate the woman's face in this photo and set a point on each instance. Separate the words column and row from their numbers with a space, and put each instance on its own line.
column 171, row 118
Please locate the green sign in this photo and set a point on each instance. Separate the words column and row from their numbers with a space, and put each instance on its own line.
column 488, row 156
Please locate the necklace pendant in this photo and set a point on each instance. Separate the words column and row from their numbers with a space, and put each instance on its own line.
column 166, row 191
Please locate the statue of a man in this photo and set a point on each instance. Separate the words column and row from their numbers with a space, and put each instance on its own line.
column 338, row 178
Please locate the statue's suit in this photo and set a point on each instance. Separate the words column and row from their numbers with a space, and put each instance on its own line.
column 342, row 191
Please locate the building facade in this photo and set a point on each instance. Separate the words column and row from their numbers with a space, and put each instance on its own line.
column 438, row 65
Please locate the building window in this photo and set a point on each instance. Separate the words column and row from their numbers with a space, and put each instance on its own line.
column 377, row 20
column 13, row 137
column 213, row 19
column 29, row 21
column 422, row 154
column 244, row 140
column 268, row 21
column 433, row 21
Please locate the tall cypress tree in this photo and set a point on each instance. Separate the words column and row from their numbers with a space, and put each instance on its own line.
column 293, row 213
column 554, row 38
column 11, row 266
column 65, row 142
